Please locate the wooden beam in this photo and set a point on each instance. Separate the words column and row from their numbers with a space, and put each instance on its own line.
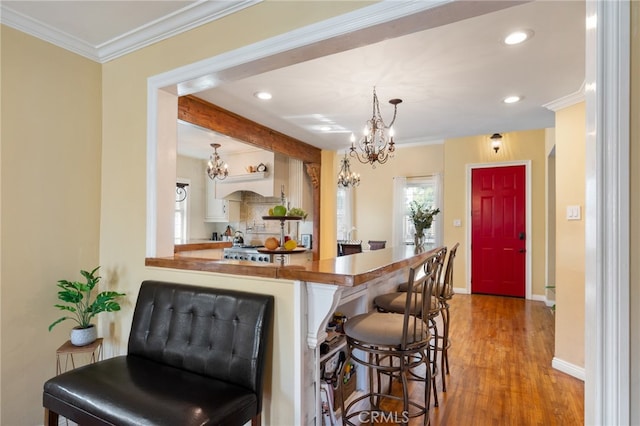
column 204, row 114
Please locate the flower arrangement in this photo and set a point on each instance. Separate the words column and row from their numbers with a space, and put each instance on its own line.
column 422, row 217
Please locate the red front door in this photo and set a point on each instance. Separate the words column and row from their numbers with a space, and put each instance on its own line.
column 498, row 226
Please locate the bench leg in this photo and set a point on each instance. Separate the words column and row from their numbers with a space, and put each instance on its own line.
column 256, row 420
column 50, row 418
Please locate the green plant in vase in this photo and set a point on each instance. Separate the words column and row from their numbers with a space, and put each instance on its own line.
column 77, row 296
column 422, row 218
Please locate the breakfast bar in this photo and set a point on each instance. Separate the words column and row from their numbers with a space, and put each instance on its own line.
column 347, row 284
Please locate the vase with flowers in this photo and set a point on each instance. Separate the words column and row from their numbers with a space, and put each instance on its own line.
column 422, row 218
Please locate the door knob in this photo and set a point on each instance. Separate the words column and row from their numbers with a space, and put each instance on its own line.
column 521, row 251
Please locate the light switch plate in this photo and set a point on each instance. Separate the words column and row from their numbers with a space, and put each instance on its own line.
column 457, row 222
column 573, row 213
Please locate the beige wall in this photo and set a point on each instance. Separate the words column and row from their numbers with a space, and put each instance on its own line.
column 570, row 190
column 516, row 146
column 634, row 265
column 372, row 200
column 50, row 195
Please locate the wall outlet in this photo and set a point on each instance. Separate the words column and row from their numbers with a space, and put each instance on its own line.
column 457, row 223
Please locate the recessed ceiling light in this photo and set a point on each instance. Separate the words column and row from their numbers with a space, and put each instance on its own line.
column 325, row 128
column 518, row 37
column 265, row 96
column 511, row 99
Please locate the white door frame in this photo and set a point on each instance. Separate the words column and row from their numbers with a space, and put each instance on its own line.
column 468, row 191
column 607, row 319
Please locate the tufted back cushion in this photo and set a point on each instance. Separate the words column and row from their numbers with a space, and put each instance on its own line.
column 217, row 333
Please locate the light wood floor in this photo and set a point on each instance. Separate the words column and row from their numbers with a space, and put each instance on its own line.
column 500, row 368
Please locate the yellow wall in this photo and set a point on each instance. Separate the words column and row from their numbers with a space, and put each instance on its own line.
column 516, row 146
column 50, row 195
column 328, row 184
column 372, row 200
column 634, row 266
column 570, row 190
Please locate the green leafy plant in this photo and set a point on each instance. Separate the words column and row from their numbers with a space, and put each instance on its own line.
column 421, row 216
column 77, row 296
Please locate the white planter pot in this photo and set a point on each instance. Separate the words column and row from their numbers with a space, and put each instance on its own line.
column 84, row 336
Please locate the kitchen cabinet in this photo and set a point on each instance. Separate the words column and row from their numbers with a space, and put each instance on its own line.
column 220, row 209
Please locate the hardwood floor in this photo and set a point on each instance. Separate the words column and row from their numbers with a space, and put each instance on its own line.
column 500, row 368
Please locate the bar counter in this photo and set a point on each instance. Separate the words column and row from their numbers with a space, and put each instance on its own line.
column 306, row 299
column 349, row 271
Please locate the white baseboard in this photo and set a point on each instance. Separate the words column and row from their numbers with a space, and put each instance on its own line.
column 539, row 298
column 568, row 368
column 460, row 290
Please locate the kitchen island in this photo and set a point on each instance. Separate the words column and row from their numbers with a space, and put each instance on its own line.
column 306, row 298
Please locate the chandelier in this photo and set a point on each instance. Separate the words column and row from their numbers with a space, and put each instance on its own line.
column 216, row 168
column 377, row 141
column 346, row 177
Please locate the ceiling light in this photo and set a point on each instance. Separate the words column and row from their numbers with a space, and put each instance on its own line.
column 511, row 99
column 376, row 143
column 518, row 37
column 325, row 128
column 216, row 168
column 265, row 96
column 346, row 177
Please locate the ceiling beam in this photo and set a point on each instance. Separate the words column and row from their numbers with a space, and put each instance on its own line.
column 204, row 114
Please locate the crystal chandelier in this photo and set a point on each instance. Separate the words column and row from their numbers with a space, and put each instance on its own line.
column 346, row 177
column 216, row 168
column 377, row 142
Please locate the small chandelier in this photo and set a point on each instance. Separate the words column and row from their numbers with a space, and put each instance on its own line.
column 496, row 141
column 216, row 168
column 377, row 141
column 346, row 177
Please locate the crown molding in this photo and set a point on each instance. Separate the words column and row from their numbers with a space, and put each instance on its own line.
column 567, row 101
column 185, row 19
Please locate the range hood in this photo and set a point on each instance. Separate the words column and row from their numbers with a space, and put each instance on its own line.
column 266, row 183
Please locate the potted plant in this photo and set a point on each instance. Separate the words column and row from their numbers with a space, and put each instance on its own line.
column 422, row 218
column 77, row 296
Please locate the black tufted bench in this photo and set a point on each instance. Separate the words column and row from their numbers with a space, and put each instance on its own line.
column 195, row 357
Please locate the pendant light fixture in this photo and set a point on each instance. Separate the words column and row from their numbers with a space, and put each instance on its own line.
column 377, row 143
column 346, row 177
column 216, row 168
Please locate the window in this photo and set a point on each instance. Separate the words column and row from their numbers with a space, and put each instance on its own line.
column 344, row 207
column 425, row 190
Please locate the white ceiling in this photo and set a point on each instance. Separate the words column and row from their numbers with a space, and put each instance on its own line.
column 451, row 77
